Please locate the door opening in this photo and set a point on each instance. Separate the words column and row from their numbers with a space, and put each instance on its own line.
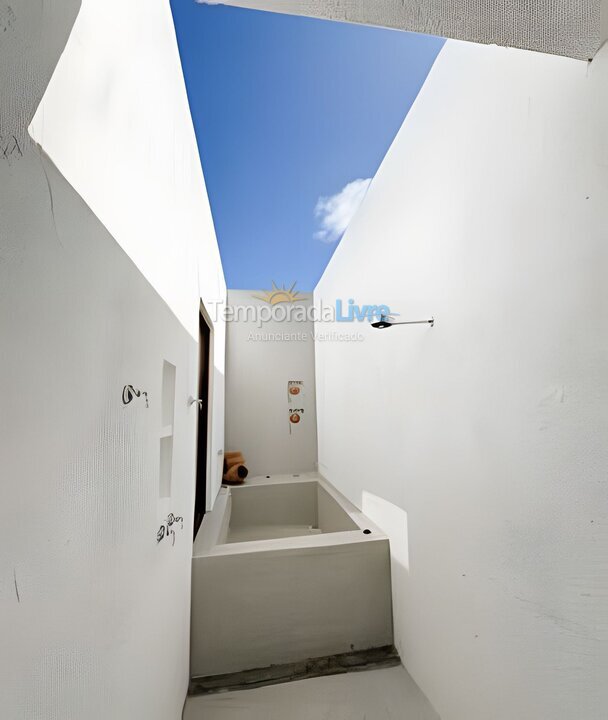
column 200, row 503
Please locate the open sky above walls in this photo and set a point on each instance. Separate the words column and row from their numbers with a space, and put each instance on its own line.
column 293, row 117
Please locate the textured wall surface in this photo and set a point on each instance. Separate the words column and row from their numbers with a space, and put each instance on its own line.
column 116, row 122
column 561, row 27
column 259, row 365
column 33, row 36
column 490, row 212
column 89, row 602
column 94, row 614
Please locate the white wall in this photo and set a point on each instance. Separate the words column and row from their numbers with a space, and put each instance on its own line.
column 259, row 364
column 115, row 120
column 95, row 614
column 487, row 433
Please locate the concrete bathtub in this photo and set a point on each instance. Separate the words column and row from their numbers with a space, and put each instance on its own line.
column 286, row 569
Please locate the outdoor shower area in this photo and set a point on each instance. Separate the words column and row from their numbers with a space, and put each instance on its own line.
column 286, row 570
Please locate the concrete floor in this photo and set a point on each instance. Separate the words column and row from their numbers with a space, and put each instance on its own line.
column 373, row 695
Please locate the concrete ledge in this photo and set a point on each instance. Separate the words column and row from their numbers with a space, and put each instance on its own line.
column 559, row 27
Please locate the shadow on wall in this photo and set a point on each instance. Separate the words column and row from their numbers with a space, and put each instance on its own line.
column 33, row 38
column 392, row 520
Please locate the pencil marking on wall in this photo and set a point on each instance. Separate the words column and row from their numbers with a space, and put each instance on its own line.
column 167, row 528
column 10, row 148
column 16, row 586
column 51, row 200
column 7, row 18
column 129, row 393
column 571, row 627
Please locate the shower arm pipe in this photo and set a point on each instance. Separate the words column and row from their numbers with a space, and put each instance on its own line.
column 385, row 322
column 430, row 322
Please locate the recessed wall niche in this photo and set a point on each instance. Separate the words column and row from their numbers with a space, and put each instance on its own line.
column 166, row 430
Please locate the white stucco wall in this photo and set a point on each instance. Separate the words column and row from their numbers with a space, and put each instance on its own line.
column 487, row 433
column 94, row 614
column 115, row 120
column 260, row 361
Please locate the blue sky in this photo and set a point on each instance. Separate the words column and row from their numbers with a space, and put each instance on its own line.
column 289, row 113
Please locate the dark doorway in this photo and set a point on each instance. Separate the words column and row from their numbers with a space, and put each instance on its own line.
column 200, row 503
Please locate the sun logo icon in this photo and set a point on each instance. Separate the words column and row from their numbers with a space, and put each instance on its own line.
column 279, row 294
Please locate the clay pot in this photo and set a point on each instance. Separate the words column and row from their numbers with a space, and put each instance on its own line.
column 236, row 475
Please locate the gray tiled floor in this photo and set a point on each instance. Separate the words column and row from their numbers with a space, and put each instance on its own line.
column 374, row 695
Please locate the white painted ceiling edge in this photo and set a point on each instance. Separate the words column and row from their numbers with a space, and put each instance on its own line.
column 572, row 28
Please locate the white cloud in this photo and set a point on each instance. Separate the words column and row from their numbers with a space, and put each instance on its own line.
column 335, row 212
